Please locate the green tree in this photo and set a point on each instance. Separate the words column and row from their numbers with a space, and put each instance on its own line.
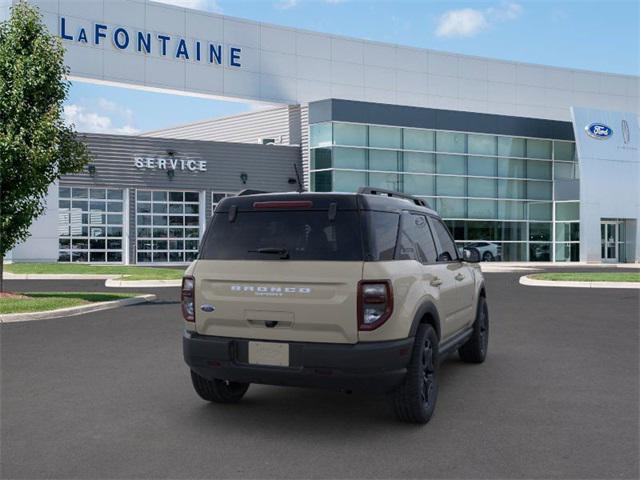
column 36, row 147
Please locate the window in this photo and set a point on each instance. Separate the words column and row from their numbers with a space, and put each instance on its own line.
column 565, row 170
column 355, row 158
column 451, row 207
column 511, row 167
column 90, row 225
column 320, row 158
column 539, row 232
column 539, row 169
column 322, row 181
column 382, row 231
column 388, row 181
column 320, row 135
column 482, row 209
column 419, row 162
column 451, row 142
column 418, row 184
column 167, row 226
column 450, row 186
column 385, row 160
column 419, row 139
column 539, row 148
column 302, row 234
column 415, row 241
column 483, row 144
column 350, row 134
column 510, row 147
column 451, row 164
column 482, row 187
column 483, row 166
column 566, row 211
column 385, row 137
column 564, row 150
column 567, row 232
column 348, row 181
column 447, row 251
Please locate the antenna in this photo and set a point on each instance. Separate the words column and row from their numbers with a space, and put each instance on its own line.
column 300, row 187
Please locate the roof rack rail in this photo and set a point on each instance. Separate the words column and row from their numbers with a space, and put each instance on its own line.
column 249, row 191
column 390, row 193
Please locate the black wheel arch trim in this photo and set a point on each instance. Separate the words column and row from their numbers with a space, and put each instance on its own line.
column 426, row 309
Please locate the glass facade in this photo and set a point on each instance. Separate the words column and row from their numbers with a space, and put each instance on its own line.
column 167, row 226
column 493, row 189
column 90, row 225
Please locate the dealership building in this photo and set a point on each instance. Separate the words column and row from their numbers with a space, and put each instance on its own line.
column 528, row 162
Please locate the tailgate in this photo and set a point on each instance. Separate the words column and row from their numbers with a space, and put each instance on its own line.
column 307, row 301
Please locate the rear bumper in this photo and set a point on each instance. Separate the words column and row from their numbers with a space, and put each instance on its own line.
column 371, row 366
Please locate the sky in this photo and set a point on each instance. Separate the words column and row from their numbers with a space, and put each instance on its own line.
column 601, row 35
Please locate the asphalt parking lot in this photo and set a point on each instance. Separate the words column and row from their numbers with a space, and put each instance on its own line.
column 107, row 395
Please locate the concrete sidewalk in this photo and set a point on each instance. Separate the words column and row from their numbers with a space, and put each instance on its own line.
column 533, row 282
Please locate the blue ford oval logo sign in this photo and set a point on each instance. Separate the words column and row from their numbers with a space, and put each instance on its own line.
column 599, row 131
column 207, row 308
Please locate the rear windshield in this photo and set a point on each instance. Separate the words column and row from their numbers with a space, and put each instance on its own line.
column 277, row 235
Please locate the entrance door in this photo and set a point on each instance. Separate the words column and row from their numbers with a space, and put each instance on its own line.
column 609, row 241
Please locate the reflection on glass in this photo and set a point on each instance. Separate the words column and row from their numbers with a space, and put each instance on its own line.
column 415, row 139
column 350, row 158
column 383, row 160
column 348, row 181
column 320, row 134
column 385, row 137
column 419, row 162
column 483, row 144
column 350, row 134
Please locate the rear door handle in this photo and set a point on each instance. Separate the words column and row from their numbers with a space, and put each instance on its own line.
column 436, row 282
column 459, row 277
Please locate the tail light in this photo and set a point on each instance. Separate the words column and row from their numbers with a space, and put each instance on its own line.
column 186, row 298
column 375, row 303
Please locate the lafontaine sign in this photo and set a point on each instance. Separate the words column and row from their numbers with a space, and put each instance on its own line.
column 172, row 163
column 160, row 44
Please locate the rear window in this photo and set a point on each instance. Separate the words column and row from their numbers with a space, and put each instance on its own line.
column 276, row 235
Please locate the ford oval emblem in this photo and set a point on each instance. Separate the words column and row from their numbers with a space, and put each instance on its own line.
column 207, row 308
column 599, row 131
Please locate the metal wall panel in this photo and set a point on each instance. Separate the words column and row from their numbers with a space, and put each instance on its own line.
column 281, row 124
column 268, row 166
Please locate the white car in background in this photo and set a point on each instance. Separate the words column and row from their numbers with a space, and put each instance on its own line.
column 489, row 252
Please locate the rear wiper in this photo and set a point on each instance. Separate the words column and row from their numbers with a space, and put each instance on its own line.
column 283, row 252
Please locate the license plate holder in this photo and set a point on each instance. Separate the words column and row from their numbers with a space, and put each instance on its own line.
column 272, row 354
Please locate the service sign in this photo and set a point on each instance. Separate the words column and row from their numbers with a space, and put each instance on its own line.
column 171, row 163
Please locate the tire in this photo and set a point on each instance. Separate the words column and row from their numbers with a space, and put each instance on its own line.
column 475, row 349
column 488, row 257
column 415, row 400
column 218, row 391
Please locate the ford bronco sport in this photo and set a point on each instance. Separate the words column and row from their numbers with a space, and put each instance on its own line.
column 362, row 291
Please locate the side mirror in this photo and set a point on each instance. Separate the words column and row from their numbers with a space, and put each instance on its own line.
column 471, row 255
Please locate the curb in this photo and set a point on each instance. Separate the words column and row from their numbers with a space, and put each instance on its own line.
column 71, row 311
column 532, row 282
column 116, row 283
column 60, row 276
column 112, row 281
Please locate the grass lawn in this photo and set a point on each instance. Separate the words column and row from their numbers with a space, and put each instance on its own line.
column 589, row 276
column 43, row 301
column 129, row 272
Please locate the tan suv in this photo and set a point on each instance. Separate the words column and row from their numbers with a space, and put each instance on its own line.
column 362, row 291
